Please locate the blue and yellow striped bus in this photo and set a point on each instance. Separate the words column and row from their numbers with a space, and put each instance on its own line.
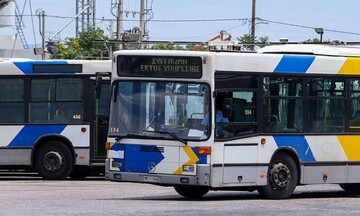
column 50, row 120
column 269, row 121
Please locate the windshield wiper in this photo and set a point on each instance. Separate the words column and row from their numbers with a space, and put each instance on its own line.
column 169, row 133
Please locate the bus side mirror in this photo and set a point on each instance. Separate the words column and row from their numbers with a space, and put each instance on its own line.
column 98, row 84
column 227, row 107
column 114, row 92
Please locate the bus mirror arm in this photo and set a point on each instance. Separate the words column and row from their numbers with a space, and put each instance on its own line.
column 98, row 85
column 114, row 93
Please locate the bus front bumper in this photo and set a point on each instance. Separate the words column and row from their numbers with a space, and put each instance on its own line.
column 201, row 179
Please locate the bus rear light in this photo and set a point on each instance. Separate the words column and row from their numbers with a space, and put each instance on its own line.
column 204, row 150
column 83, row 129
column 82, row 157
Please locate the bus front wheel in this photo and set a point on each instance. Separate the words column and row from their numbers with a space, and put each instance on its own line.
column 282, row 178
column 54, row 161
column 192, row 192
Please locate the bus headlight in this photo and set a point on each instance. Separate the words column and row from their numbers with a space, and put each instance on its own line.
column 116, row 164
column 188, row 168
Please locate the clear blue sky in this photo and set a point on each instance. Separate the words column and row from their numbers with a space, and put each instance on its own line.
column 206, row 18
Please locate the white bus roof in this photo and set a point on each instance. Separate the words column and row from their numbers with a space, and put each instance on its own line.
column 19, row 66
column 313, row 49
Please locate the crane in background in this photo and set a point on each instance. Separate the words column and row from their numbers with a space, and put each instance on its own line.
column 19, row 24
column 87, row 19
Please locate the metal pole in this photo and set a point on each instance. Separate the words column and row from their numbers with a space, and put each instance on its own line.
column 142, row 21
column 253, row 18
column 77, row 19
column 43, row 35
column 87, row 17
column 119, row 20
column 94, row 14
column 321, row 37
column 76, row 16
column 111, row 37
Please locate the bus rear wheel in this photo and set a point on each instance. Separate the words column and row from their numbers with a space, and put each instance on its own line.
column 283, row 178
column 192, row 192
column 54, row 161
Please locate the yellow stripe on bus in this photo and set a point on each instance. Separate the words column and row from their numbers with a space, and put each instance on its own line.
column 351, row 146
column 193, row 158
column 351, row 66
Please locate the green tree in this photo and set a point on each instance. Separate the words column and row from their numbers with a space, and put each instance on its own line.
column 263, row 40
column 248, row 40
column 83, row 47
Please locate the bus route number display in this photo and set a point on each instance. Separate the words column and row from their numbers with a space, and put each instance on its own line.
column 160, row 66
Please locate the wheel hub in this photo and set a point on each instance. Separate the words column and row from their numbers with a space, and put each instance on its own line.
column 281, row 175
column 52, row 161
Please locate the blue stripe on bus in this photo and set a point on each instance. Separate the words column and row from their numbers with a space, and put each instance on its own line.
column 299, row 144
column 294, row 64
column 137, row 159
column 29, row 134
column 27, row 66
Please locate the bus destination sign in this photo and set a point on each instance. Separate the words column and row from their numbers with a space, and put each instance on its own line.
column 160, row 66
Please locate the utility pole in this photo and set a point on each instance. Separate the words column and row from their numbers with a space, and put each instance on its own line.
column 142, row 21
column 111, row 37
column 253, row 18
column 138, row 32
column 119, row 25
column 41, row 15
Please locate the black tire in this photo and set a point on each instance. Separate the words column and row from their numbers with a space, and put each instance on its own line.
column 283, row 178
column 192, row 192
column 54, row 161
column 351, row 188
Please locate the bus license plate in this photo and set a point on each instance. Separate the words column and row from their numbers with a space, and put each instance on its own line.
column 150, row 178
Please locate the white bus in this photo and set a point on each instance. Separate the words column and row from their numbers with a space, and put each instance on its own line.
column 289, row 116
column 50, row 120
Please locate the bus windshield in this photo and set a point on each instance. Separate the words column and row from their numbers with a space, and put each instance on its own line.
column 169, row 110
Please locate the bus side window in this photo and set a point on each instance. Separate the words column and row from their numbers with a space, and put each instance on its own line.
column 355, row 122
column 242, row 110
column 61, row 114
column 242, row 120
column 12, row 101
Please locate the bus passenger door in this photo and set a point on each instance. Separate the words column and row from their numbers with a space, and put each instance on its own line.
column 100, row 122
column 240, row 148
